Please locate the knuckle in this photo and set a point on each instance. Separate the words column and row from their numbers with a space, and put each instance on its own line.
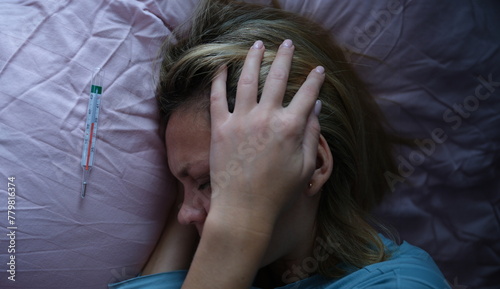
column 285, row 126
column 293, row 127
column 278, row 74
column 262, row 125
column 215, row 96
column 246, row 79
column 310, row 89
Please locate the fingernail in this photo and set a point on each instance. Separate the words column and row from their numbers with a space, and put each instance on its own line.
column 317, row 107
column 287, row 43
column 258, row 44
column 320, row 69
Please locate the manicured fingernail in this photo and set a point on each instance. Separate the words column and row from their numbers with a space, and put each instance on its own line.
column 258, row 44
column 320, row 69
column 287, row 43
column 317, row 107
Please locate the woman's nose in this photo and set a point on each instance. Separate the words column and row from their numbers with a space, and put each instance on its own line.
column 192, row 211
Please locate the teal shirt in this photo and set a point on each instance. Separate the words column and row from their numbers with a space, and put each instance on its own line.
column 408, row 267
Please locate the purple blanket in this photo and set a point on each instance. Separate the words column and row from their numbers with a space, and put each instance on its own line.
column 437, row 78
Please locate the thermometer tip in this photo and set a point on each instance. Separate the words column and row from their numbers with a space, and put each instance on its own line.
column 84, row 188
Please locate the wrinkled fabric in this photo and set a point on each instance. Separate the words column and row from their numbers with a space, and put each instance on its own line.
column 436, row 76
column 436, row 79
column 48, row 51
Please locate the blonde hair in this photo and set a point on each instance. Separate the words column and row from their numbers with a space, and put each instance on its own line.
column 350, row 120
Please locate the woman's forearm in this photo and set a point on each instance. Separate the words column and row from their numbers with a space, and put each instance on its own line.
column 175, row 248
column 230, row 252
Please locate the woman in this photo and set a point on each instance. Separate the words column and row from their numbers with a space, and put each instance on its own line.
column 278, row 184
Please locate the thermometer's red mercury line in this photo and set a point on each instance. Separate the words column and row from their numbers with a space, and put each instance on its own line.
column 90, row 145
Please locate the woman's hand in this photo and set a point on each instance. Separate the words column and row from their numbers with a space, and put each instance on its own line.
column 263, row 154
column 261, row 157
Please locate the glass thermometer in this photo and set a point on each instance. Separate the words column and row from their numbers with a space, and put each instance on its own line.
column 90, row 137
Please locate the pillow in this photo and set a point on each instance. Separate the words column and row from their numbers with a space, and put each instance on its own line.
column 48, row 52
column 436, row 79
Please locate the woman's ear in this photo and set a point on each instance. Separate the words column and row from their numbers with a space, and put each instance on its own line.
column 324, row 166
